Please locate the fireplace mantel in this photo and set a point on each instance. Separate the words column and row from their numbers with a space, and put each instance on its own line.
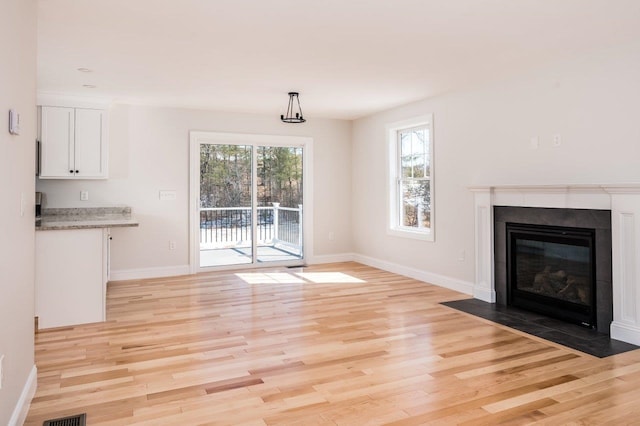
column 624, row 202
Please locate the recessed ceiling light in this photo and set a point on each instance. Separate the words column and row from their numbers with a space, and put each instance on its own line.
column 89, row 86
column 84, row 70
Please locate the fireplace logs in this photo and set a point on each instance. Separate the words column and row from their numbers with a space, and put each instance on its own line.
column 561, row 285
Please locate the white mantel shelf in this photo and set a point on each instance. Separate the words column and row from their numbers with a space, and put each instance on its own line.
column 588, row 188
column 623, row 199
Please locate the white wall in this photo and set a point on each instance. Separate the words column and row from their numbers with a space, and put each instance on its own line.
column 17, row 162
column 483, row 135
column 149, row 151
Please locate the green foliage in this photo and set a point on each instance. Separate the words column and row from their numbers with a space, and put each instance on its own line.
column 225, row 175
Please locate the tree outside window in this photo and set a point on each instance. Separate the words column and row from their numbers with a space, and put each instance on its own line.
column 411, row 171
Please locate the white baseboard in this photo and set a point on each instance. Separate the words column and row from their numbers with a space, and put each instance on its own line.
column 332, row 258
column 139, row 274
column 436, row 279
column 22, row 407
column 485, row 295
column 439, row 280
column 625, row 333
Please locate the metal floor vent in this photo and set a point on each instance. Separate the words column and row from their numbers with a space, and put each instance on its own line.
column 77, row 420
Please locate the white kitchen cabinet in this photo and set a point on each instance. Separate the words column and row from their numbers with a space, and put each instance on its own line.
column 71, row 276
column 73, row 143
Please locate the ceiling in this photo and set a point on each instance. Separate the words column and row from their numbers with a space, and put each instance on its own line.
column 347, row 58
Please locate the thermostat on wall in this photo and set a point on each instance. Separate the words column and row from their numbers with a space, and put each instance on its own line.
column 14, row 122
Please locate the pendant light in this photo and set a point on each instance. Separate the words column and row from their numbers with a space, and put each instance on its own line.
column 293, row 116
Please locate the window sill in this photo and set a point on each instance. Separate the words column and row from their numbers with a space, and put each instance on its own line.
column 416, row 235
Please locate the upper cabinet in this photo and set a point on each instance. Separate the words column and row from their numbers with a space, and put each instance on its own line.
column 73, row 143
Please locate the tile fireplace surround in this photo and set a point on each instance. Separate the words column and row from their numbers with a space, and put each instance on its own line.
column 624, row 202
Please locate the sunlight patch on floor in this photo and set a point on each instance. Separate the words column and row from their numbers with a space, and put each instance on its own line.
column 329, row 277
column 298, row 278
column 269, row 278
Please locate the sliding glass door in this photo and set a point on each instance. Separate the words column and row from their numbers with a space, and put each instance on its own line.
column 225, row 204
column 250, row 204
column 279, row 196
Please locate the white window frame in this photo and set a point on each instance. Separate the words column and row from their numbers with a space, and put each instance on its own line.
column 393, row 186
column 199, row 137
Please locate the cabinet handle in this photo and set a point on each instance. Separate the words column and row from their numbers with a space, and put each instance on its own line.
column 70, row 171
column 77, row 171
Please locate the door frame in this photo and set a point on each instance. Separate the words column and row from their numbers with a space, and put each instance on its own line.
column 199, row 137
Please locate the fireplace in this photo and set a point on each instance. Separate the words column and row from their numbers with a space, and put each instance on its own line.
column 551, row 270
column 613, row 210
column 555, row 262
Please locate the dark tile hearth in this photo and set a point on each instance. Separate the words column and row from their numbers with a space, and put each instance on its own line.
column 570, row 335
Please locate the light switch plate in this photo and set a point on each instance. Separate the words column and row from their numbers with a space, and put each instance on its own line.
column 534, row 142
column 14, row 122
column 1, row 371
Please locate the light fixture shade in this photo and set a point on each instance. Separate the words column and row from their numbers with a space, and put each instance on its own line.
column 293, row 115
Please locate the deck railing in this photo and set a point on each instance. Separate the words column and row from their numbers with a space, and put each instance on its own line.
column 224, row 227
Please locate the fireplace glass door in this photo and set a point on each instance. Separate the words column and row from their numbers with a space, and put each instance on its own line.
column 551, row 271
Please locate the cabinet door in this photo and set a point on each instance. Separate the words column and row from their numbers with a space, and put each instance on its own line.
column 90, row 144
column 69, row 277
column 57, row 142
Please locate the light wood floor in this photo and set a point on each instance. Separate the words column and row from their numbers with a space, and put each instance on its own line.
column 333, row 344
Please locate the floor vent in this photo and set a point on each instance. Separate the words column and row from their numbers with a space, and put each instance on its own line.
column 77, row 420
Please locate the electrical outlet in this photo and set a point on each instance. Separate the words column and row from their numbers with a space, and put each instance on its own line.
column 84, row 195
column 332, row 236
column 556, row 140
column 172, row 245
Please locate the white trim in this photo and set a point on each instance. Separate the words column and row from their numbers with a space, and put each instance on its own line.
column 625, row 188
column 194, row 201
column 244, row 138
column 392, row 183
column 624, row 202
column 486, row 295
column 332, row 258
column 436, row 279
column 69, row 101
column 484, row 288
column 625, row 333
column 251, row 266
column 254, row 203
column 425, row 119
column 425, row 235
column 158, row 272
column 198, row 137
column 22, row 406
column 465, row 287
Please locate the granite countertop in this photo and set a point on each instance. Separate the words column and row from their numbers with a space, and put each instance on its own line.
column 85, row 218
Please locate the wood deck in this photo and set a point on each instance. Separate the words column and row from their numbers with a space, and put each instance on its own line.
column 340, row 344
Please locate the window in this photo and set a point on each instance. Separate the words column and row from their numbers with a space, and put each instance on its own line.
column 411, row 179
